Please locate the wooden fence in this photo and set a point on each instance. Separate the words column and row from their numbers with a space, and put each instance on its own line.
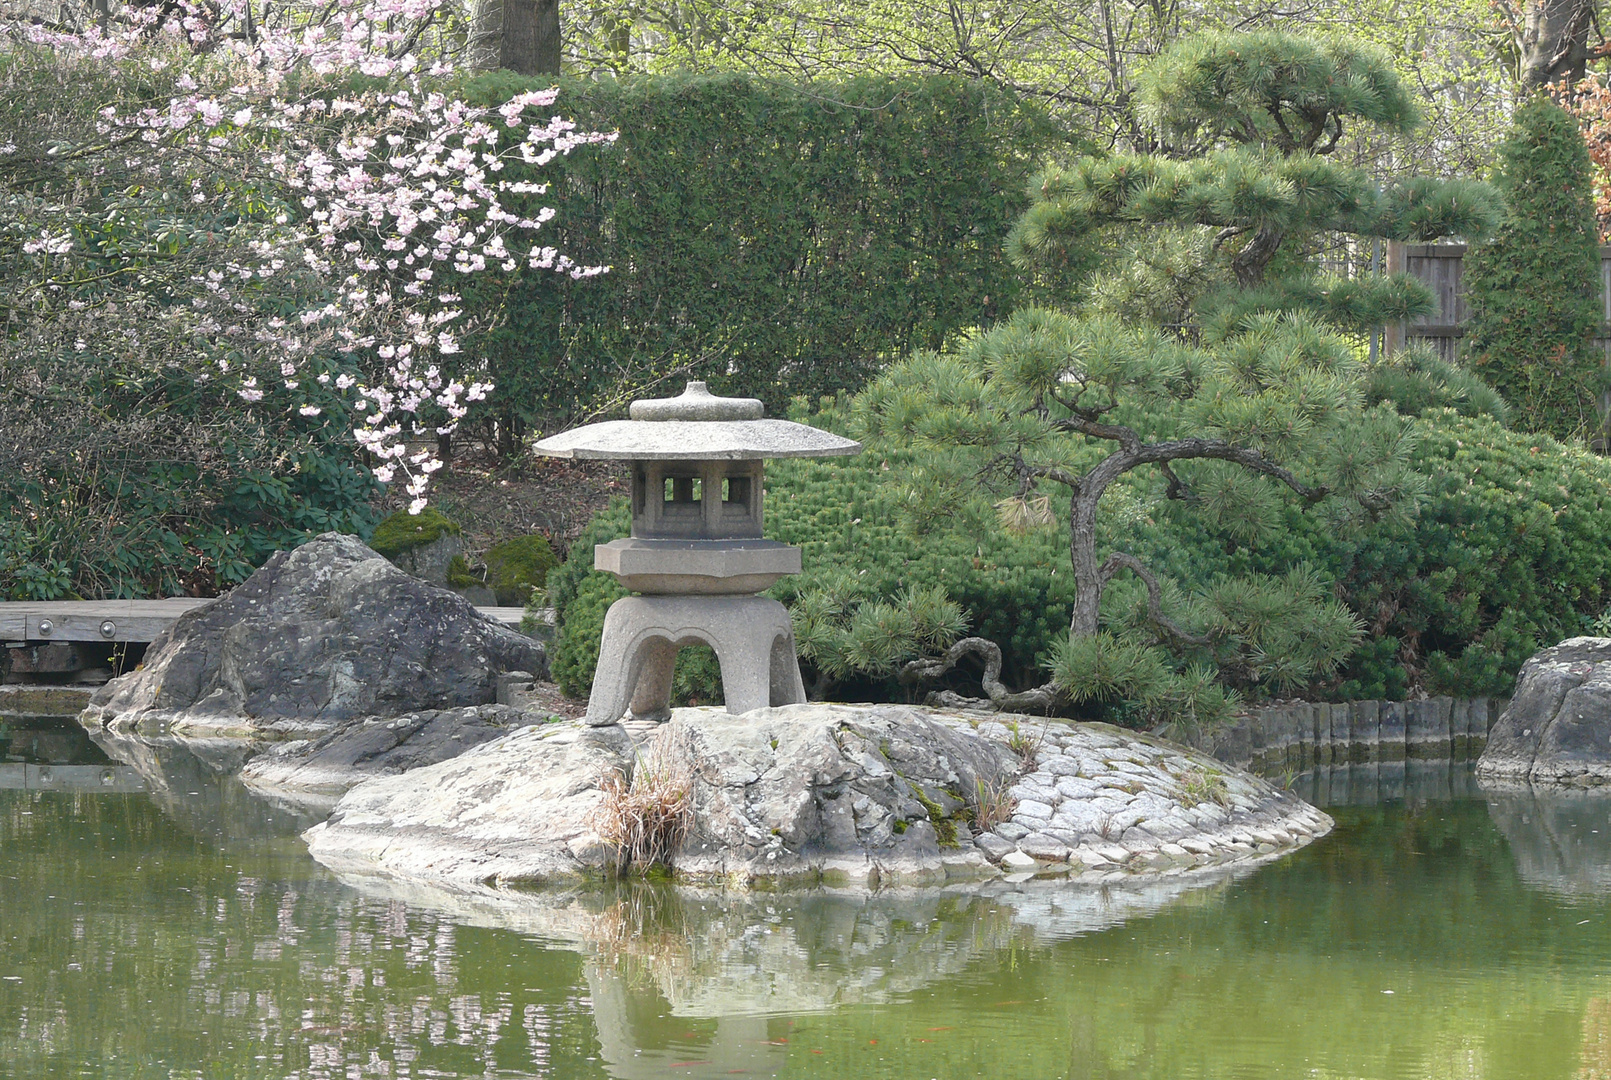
column 1440, row 266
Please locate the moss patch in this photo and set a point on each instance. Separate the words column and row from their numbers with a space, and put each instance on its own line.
column 459, row 574
column 945, row 827
column 404, row 532
column 518, row 567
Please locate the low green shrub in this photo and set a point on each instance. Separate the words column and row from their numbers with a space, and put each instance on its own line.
column 1506, row 555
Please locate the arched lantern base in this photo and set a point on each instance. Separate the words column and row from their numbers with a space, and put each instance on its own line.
column 752, row 636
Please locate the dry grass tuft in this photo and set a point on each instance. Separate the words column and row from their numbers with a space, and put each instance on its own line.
column 1025, row 745
column 992, row 805
column 645, row 819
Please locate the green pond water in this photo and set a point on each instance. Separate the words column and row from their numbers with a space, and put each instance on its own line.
column 158, row 921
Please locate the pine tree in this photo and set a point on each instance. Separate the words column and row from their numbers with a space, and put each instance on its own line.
column 1269, row 406
column 1245, row 126
column 1534, row 289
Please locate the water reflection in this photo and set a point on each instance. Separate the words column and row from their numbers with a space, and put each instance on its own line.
column 196, row 783
column 1377, row 782
column 144, row 936
column 711, row 953
column 1561, row 838
column 51, row 753
column 751, row 965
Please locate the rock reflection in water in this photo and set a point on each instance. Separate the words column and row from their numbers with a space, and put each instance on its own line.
column 653, row 952
column 195, row 783
column 1560, row 837
column 1377, row 782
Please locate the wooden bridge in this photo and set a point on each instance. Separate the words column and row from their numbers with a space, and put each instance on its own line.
column 57, row 637
column 39, row 622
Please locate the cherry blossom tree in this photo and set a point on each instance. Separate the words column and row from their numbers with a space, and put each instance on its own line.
column 276, row 218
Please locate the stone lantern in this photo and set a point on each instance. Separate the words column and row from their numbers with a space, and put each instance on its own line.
column 696, row 555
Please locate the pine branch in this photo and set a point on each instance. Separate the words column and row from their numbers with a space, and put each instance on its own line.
column 1121, row 561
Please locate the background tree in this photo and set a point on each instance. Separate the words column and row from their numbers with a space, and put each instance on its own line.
column 1079, row 57
column 1551, row 39
column 522, row 36
column 1247, row 125
column 1534, row 289
column 1273, row 401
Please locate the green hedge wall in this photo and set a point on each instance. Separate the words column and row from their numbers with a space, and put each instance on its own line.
column 772, row 239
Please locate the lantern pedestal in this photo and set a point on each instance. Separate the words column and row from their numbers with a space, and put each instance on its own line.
column 752, row 636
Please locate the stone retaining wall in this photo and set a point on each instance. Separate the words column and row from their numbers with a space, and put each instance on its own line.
column 1300, row 735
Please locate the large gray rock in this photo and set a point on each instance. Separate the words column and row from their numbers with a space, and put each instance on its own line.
column 858, row 795
column 521, row 809
column 317, row 772
column 324, row 633
column 1557, row 729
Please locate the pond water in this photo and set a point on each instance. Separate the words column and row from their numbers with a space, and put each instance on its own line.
column 158, row 921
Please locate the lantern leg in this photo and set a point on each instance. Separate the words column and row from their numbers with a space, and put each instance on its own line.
column 752, row 635
column 754, row 642
column 651, row 694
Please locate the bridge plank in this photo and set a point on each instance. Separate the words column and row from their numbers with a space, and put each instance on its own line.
column 132, row 620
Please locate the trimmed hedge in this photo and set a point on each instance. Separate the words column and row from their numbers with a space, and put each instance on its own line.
column 772, row 239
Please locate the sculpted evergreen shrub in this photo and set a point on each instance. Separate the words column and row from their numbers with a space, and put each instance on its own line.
column 1534, row 290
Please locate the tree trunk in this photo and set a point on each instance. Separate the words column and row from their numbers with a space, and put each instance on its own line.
column 1250, row 262
column 486, row 32
column 1082, row 553
column 520, row 35
column 1553, row 41
column 530, row 44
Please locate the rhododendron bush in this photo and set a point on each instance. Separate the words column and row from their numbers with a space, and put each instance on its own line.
column 232, row 256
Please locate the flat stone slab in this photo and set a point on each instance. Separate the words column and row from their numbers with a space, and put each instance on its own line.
column 319, row 771
column 866, row 796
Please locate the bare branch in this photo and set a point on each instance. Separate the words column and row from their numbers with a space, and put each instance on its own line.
column 1001, row 699
column 1122, row 561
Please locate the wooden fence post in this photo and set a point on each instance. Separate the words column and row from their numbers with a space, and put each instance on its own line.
column 1393, row 333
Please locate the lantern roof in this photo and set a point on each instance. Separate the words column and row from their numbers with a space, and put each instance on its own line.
column 696, row 426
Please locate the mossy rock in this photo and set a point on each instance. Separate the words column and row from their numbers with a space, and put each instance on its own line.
column 518, row 567
column 460, row 575
column 404, row 532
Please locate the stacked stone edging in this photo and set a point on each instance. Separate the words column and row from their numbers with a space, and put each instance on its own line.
column 1101, row 800
column 1299, row 735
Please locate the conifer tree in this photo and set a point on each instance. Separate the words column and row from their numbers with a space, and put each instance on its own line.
column 1534, row 289
column 1246, row 126
column 1269, row 406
